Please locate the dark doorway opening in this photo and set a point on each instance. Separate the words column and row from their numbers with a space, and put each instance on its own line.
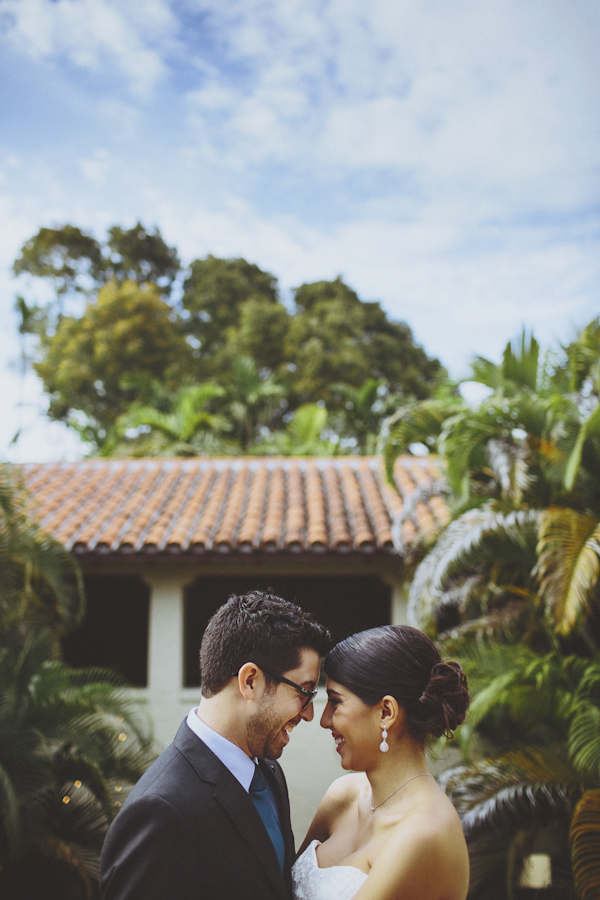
column 114, row 633
column 344, row 603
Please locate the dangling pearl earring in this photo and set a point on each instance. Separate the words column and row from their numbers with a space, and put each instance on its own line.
column 384, row 746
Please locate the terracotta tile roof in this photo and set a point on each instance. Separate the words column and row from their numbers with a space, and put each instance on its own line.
column 175, row 506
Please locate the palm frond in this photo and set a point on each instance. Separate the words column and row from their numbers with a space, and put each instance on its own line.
column 486, row 372
column 520, row 361
column 585, row 845
column 417, row 423
column 590, row 427
column 584, row 740
column 512, row 790
column 568, row 564
column 509, row 461
column 583, row 354
column 462, row 544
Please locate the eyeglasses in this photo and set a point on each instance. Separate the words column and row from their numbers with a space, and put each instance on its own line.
column 276, row 676
column 306, row 692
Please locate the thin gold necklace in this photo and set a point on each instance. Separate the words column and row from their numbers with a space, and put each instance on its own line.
column 420, row 775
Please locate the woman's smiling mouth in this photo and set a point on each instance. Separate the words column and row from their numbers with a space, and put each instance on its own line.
column 339, row 741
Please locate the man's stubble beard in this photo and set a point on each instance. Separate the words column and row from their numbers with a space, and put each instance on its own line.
column 262, row 730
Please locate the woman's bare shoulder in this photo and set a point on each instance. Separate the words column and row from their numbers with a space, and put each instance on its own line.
column 430, row 831
column 340, row 796
column 346, row 788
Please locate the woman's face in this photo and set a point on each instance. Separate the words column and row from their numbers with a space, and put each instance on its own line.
column 354, row 725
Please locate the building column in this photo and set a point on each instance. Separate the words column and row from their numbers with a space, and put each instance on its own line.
column 165, row 653
column 398, row 612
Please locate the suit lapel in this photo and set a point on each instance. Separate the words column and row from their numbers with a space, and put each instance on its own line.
column 236, row 803
column 241, row 810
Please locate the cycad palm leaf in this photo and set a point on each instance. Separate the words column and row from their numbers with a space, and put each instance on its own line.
column 590, row 427
column 568, row 564
column 511, row 790
column 306, row 426
column 420, row 423
column 464, row 544
column 584, row 740
column 585, row 846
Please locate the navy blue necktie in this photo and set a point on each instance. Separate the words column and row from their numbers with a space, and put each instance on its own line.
column 260, row 798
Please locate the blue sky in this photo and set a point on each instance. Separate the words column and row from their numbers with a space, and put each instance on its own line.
column 442, row 157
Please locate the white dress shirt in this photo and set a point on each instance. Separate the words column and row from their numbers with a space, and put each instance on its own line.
column 233, row 757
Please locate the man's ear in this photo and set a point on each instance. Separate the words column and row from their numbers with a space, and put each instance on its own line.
column 249, row 679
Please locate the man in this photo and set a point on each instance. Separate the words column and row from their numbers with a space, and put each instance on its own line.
column 210, row 819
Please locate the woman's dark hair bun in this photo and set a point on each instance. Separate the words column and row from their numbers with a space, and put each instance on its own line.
column 444, row 703
column 403, row 662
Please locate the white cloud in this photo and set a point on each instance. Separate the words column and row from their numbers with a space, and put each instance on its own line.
column 441, row 157
column 94, row 35
column 97, row 167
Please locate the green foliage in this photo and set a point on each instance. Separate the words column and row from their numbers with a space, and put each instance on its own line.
column 536, row 717
column 140, row 256
column 68, row 257
column 261, row 333
column 364, row 410
column 304, row 435
column 228, row 328
column 250, row 400
column 180, row 431
column 40, row 583
column 511, row 587
column 125, row 329
column 214, row 294
column 585, row 845
column 75, row 261
column 72, row 742
column 568, row 565
column 522, row 541
column 336, row 338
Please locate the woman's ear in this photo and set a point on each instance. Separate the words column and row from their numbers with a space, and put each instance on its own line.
column 391, row 713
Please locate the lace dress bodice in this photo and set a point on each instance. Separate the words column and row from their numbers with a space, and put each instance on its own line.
column 334, row 883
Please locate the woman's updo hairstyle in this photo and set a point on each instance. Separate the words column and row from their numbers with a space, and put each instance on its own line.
column 404, row 663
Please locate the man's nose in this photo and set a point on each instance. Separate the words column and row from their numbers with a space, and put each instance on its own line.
column 308, row 714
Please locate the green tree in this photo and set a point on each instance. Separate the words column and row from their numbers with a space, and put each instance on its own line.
column 96, row 360
column 141, row 256
column 187, row 428
column 304, row 435
column 534, row 784
column 260, row 335
column 519, row 535
column 125, row 329
column 74, row 261
column 364, row 410
column 67, row 257
column 250, row 400
column 335, row 338
column 214, row 294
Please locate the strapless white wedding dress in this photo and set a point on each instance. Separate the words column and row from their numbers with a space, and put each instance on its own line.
column 335, row 883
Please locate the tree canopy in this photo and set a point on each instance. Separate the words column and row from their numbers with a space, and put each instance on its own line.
column 125, row 315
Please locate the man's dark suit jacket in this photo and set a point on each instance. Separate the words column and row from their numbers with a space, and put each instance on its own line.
column 189, row 831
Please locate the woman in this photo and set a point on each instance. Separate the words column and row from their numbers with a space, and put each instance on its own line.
column 387, row 831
